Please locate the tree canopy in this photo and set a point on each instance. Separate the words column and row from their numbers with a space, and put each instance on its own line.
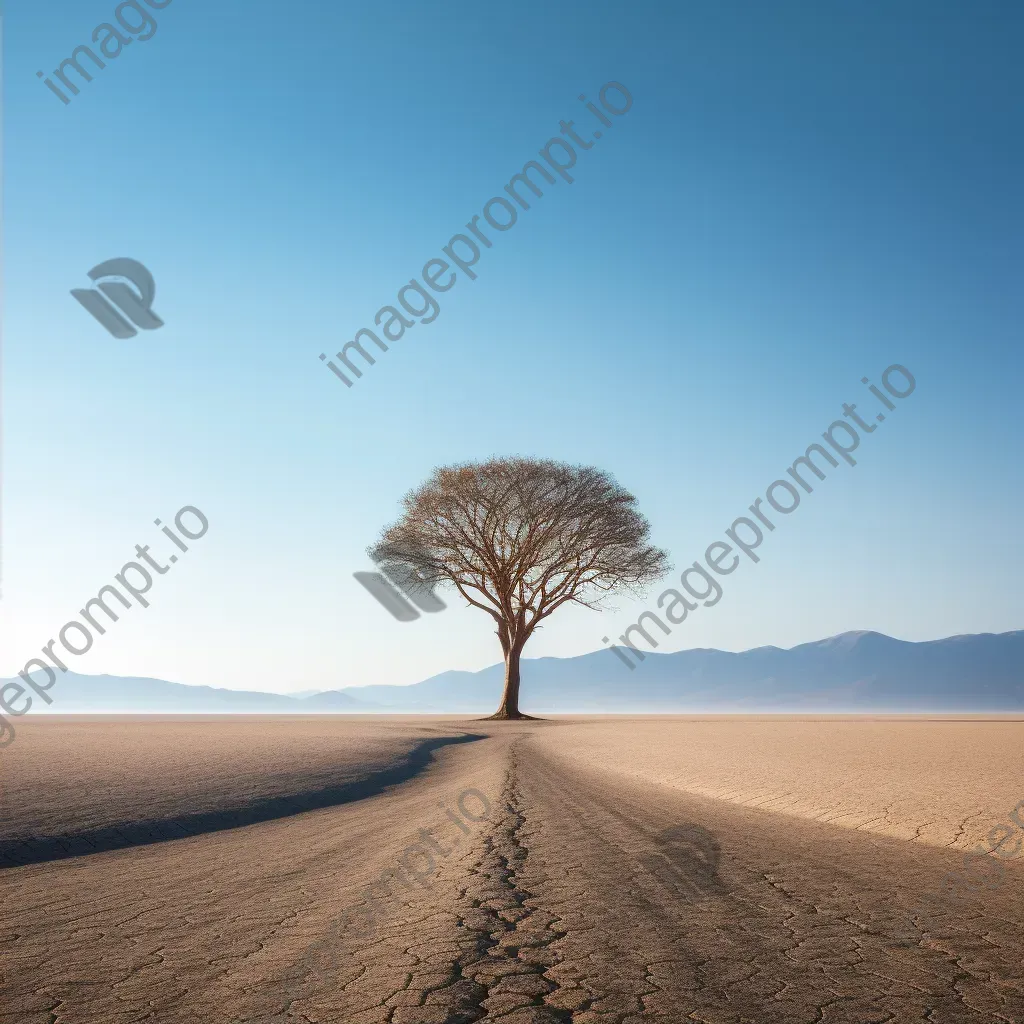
column 518, row 538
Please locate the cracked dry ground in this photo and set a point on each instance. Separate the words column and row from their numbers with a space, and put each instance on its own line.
column 582, row 896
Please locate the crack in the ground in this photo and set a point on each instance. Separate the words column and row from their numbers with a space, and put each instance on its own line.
column 513, row 951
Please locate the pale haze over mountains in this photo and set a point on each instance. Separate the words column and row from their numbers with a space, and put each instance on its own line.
column 857, row 671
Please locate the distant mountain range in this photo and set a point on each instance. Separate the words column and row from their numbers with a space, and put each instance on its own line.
column 852, row 672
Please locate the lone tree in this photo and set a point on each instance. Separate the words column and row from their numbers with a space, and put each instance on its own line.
column 520, row 538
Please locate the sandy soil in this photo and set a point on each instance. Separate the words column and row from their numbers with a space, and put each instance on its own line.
column 941, row 780
column 591, row 876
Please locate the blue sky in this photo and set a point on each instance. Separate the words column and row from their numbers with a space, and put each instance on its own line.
column 800, row 196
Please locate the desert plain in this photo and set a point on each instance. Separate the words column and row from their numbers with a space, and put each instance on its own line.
column 439, row 870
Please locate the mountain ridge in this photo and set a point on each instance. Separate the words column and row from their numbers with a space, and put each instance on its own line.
column 856, row 671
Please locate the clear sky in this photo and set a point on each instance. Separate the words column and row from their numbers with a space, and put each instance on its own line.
column 801, row 195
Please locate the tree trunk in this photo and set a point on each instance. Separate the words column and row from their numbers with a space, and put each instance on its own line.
column 509, row 707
